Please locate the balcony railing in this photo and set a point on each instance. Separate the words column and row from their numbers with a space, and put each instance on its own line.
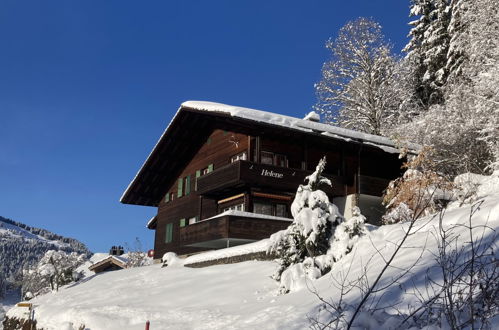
column 245, row 173
column 231, row 227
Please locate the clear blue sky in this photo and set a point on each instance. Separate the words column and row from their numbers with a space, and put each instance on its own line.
column 87, row 87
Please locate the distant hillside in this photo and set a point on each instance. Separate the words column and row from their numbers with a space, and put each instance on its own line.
column 22, row 245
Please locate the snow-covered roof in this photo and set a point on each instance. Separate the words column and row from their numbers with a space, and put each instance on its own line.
column 117, row 260
column 151, row 221
column 305, row 125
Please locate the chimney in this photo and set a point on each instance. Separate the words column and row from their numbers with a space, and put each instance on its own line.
column 313, row 116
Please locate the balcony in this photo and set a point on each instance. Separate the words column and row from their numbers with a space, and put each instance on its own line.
column 369, row 185
column 249, row 174
column 230, row 229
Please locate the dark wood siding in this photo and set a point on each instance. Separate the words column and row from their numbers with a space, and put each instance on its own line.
column 217, row 150
column 345, row 162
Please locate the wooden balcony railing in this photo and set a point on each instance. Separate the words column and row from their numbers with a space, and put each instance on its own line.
column 247, row 173
column 231, row 226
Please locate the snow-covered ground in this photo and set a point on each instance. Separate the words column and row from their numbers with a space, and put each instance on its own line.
column 243, row 296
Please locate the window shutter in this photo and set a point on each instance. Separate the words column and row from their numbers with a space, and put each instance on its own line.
column 187, row 185
column 198, row 174
column 180, row 186
column 182, row 222
column 169, row 233
column 210, row 168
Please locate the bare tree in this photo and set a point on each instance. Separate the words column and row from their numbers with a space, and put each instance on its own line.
column 359, row 86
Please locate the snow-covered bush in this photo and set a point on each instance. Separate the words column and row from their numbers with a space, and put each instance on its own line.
column 138, row 259
column 419, row 192
column 317, row 237
column 170, row 259
column 346, row 235
column 55, row 268
column 135, row 256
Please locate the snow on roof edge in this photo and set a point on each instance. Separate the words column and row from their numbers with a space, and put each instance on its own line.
column 150, row 221
column 295, row 123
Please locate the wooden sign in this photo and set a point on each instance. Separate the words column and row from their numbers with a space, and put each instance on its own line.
column 29, row 305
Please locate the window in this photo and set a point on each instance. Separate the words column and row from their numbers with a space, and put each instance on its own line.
column 281, row 160
column 267, row 158
column 207, row 170
column 280, row 210
column 184, row 186
column 275, row 209
column 239, row 156
column 193, row 220
column 187, row 185
column 180, row 187
column 182, row 222
column 271, row 158
column 263, row 208
column 237, row 207
column 167, row 197
column 169, row 233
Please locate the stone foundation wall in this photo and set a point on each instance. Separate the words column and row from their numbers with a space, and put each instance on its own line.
column 232, row 260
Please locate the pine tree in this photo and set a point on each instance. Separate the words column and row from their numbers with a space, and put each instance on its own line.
column 428, row 48
column 457, row 29
column 314, row 218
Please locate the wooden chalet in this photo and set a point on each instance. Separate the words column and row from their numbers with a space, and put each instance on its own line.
column 109, row 263
column 222, row 175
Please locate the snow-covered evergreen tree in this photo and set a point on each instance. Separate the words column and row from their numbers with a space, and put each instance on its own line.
column 358, row 89
column 428, row 48
column 463, row 130
column 316, row 239
column 313, row 225
column 457, row 29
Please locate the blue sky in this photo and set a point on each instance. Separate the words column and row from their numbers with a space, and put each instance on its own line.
column 87, row 87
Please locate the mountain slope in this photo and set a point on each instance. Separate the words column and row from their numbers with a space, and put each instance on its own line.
column 22, row 245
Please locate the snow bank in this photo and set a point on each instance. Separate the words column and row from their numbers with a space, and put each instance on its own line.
column 251, row 248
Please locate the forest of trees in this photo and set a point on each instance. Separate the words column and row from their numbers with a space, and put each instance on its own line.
column 442, row 92
column 22, row 246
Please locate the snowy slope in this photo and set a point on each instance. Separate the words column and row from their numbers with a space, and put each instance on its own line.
column 22, row 245
column 243, row 296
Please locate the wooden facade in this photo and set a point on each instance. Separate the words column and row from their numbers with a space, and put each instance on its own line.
column 210, row 173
